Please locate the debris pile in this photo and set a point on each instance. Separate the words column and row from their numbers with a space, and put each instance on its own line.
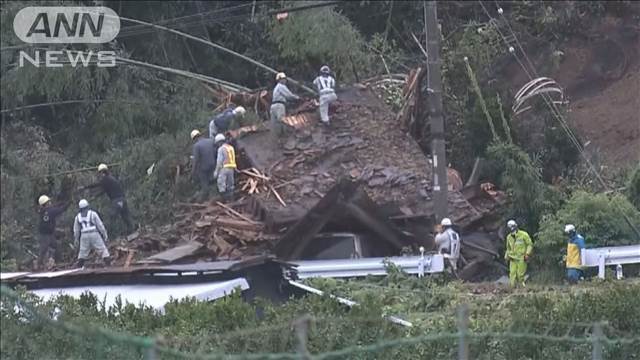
column 205, row 231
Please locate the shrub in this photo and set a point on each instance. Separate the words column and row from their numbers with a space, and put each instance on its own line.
column 321, row 36
column 597, row 217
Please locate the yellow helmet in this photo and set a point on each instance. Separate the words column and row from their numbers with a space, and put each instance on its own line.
column 281, row 75
column 194, row 133
column 43, row 200
column 103, row 167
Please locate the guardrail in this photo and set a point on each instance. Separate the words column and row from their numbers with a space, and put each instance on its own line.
column 417, row 265
column 613, row 255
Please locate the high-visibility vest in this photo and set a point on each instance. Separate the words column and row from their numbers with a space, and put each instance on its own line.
column 86, row 222
column 230, row 160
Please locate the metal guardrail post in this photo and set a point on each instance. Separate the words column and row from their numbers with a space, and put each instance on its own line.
column 463, row 329
column 601, row 267
column 597, row 336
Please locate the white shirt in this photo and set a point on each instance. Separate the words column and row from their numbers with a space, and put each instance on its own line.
column 325, row 84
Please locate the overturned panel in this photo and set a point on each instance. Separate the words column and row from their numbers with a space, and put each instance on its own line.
column 155, row 296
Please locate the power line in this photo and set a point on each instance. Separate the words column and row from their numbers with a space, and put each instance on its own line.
column 181, row 19
column 139, row 29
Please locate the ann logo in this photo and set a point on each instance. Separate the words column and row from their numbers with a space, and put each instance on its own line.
column 66, row 24
column 41, row 25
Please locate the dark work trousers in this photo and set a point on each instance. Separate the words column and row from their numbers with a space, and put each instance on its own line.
column 205, row 178
column 121, row 209
column 48, row 247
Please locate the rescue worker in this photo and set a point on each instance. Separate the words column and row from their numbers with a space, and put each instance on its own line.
column 517, row 253
column 574, row 256
column 326, row 90
column 448, row 242
column 204, row 162
column 225, row 168
column 90, row 233
column 281, row 94
column 47, row 228
column 223, row 121
column 113, row 188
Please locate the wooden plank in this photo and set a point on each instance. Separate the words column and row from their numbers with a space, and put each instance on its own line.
column 277, row 196
column 255, row 174
column 177, row 252
column 127, row 262
column 235, row 212
column 236, row 224
column 223, row 246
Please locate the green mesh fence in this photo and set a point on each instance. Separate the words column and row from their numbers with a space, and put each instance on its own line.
column 28, row 332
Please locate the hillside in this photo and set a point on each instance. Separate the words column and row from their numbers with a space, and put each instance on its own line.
column 600, row 73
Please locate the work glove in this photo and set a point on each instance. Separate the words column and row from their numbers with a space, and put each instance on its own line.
column 215, row 175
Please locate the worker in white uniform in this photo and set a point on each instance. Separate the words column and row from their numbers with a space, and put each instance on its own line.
column 90, row 233
column 448, row 242
column 325, row 83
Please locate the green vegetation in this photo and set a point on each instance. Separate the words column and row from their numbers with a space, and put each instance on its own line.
column 537, row 323
column 633, row 187
column 139, row 119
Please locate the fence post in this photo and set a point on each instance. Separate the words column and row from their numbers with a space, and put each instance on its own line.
column 302, row 328
column 597, row 341
column 463, row 329
column 150, row 349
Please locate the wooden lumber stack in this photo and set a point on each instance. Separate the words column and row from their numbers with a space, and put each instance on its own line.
column 224, row 230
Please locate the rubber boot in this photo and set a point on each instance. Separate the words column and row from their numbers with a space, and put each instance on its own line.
column 81, row 263
column 107, row 261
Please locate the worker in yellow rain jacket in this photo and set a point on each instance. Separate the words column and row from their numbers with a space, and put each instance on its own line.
column 574, row 254
column 519, row 249
column 225, row 168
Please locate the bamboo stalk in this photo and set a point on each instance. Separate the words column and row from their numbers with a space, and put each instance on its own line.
column 219, row 47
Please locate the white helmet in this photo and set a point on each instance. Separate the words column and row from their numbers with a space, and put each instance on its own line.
column 512, row 224
column 446, row 222
column 103, row 167
column 194, row 134
column 569, row 228
column 239, row 110
column 219, row 138
column 325, row 69
column 280, row 76
column 83, row 204
column 43, row 200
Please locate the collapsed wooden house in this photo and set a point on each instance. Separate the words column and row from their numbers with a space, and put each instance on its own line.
column 315, row 173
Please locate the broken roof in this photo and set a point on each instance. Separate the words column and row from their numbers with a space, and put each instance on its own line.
column 365, row 142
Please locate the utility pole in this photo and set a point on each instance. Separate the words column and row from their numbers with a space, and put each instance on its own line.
column 434, row 103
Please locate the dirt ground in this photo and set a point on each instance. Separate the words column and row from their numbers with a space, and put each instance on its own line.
column 600, row 74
